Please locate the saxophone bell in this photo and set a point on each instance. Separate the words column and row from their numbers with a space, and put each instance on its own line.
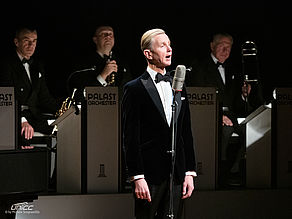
column 66, row 104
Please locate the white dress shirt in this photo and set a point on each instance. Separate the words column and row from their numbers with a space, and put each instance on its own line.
column 26, row 66
column 220, row 68
column 165, row 92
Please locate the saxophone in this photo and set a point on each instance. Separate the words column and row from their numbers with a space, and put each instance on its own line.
column 66, row 104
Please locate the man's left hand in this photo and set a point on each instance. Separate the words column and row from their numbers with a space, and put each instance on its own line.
column 188, row 187
column 246, row 88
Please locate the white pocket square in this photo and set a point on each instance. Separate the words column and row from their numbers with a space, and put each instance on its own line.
column 182, row 98
column 40, row 75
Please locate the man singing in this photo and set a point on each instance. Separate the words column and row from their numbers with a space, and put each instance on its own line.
column 147, row 134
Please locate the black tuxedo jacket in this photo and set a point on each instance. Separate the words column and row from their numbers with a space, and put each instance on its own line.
column 80, row 79
column 34, row 95
column 147, row 135
column 205, row 73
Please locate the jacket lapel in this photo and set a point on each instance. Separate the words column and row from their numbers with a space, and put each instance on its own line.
column 23, row 75
column 214, row 71
column 153, row 93
column 34, row 75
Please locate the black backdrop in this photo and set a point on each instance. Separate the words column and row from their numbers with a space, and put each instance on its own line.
column 65, row 30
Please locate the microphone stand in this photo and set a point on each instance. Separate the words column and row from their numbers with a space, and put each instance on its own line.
column 76, row 72
column 173, row 148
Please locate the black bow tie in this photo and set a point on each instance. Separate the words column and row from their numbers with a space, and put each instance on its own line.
column 220, row 63
column 159, row 77
column 106, row 57
column 28, row 61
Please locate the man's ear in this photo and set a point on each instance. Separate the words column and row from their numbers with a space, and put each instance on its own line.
column 15, row 42
column 147, row 53
column 94, row 39
column 212, row 45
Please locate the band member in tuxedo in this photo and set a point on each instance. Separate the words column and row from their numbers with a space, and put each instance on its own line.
column 216, row 70
column 101, row 67
column 25, row 72
column 147, row 134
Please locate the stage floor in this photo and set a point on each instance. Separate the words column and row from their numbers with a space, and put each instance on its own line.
column 225, row 204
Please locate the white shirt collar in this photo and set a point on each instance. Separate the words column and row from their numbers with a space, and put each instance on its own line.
column 20, row 57
column 101, row 54
column 153, row 73
column 214, row 58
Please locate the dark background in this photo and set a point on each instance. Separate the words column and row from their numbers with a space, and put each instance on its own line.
column 65, row 32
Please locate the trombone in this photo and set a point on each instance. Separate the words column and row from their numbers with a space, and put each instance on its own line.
column 250, row 68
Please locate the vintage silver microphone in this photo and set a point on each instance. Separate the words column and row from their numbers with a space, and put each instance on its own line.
column 179, row 78
column 177, row 86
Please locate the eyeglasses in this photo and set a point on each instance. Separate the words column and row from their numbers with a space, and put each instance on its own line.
column 106, row 34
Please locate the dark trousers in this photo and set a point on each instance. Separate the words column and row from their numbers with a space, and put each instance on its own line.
column 227, row 132
column 158, row 208
column 231, row 153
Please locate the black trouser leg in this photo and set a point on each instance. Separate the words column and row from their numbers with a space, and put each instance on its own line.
column 158, row 208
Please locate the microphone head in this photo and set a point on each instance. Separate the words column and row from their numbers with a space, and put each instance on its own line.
column 179, row 78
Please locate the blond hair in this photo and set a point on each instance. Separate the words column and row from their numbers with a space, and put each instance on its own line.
column 146, row 39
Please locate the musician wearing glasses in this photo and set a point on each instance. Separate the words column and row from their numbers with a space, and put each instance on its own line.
column 101, row 67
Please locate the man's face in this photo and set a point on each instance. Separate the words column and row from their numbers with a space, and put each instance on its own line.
column 26, row 43
column 221, row 49
column 104, row 39
column 161, row 51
